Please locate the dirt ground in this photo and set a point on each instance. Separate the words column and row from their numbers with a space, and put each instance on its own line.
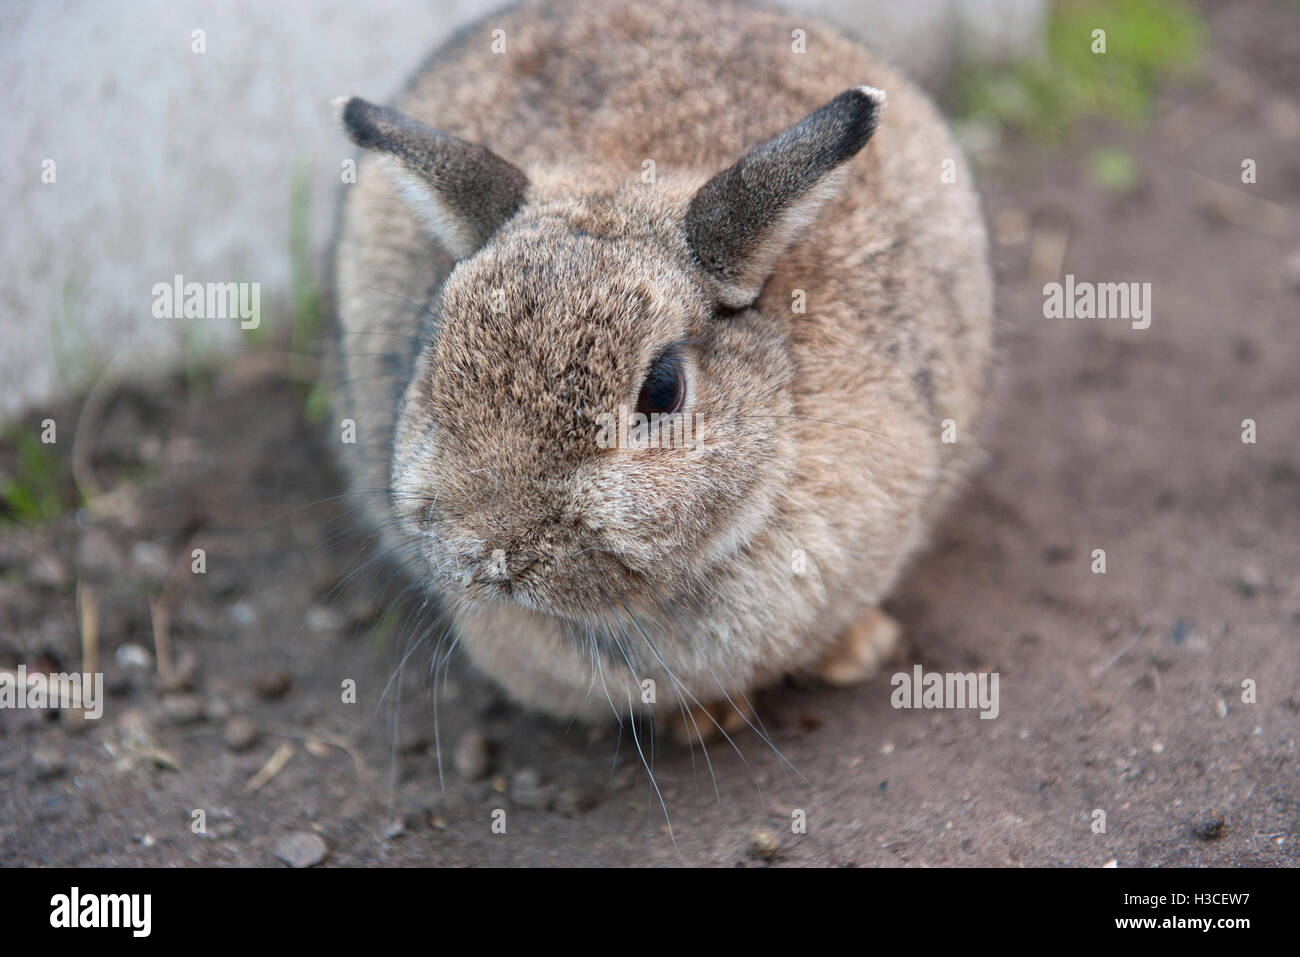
column 1120, row 692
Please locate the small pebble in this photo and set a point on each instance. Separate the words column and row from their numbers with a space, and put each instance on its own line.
column 183, row 708
column 243, row 613
column 810, row 722
column 219, row 708
column 241, row 733
column 301, row 849
column 133, row 656
column 150, row 559
column 473, row 756
column 1210, row 828
column 135, row 730
column 1252, row 580
column 763, row 844
column 571, row 802
column 325, row 621
column 48, row 764
column 415, row 818
column 526, row 790
column 272, row 685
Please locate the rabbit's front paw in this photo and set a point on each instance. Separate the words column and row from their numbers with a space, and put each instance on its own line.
column 861, row 650
column 706, row 723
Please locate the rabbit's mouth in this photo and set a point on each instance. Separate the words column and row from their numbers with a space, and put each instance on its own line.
column 579, row 587
column 484, row 590
column 498, row 577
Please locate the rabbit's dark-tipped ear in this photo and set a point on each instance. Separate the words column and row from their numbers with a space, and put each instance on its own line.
column 461, row 191
column 743, row 219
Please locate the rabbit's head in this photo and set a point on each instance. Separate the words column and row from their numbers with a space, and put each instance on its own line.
column 597, row 418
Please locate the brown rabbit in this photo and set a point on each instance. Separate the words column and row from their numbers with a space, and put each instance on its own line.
column 585, row 211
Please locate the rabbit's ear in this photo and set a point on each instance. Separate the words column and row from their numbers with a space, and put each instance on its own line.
column 743, row 219
column 461, row 191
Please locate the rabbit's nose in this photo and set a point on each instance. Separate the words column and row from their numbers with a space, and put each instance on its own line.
column 501, row 564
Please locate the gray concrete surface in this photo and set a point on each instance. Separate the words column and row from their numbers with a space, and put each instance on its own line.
column 169, row 161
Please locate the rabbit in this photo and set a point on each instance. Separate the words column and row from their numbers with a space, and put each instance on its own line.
column 637, row 212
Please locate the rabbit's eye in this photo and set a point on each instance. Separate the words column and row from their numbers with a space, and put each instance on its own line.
column 664, row 389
